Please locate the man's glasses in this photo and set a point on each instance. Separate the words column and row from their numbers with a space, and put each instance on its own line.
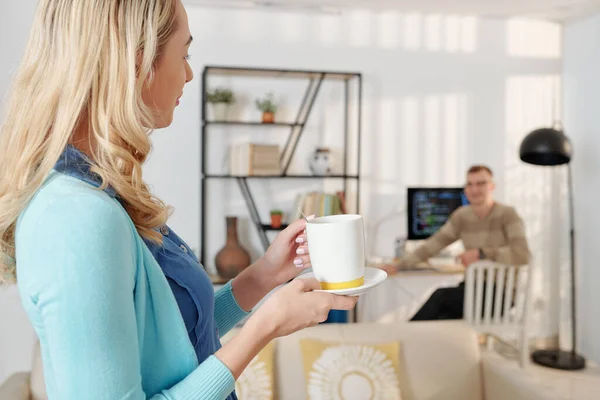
column 478, row 184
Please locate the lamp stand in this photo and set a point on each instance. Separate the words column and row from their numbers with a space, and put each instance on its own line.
column 559, row 359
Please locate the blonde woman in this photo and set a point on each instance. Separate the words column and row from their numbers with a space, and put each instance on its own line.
column 121, row 307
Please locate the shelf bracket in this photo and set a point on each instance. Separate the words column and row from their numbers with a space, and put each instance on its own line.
column 253, row 211
column 309, row 89
column 307, row 104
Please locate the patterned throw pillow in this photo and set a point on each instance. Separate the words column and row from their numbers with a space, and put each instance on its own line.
column 256, row 382
column 351, row 371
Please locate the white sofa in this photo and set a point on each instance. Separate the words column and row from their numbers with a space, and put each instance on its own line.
column 442, row 361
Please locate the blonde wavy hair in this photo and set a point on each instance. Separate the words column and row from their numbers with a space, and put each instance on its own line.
column 86, row 62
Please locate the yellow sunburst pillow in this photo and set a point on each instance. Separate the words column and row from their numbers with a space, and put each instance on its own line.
column 256, row 382
column 351, row 371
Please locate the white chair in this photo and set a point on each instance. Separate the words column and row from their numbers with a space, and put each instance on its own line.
column 502, row 312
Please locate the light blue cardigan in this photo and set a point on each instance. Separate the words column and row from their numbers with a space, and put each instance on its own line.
column 108, row 324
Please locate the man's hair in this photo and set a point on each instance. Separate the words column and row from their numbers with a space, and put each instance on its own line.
column 478, row 168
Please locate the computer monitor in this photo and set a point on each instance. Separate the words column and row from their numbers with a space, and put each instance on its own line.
column 429, row 208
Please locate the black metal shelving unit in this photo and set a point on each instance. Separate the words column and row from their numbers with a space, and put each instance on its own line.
column 315, row 80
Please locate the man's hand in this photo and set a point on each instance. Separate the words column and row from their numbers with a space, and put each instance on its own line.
column 469, row 257
column 390, row 269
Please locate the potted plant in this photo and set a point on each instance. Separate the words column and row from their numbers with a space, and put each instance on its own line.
column 220, row 99
column 276, row 217
column 268, row 107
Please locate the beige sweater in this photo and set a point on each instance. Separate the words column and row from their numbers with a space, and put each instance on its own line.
column 501, row 236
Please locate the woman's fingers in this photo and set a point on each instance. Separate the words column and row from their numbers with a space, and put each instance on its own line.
column 295, row 229
column 302, row 250
column 302, row 262
column 301, row 239
column 336, row 302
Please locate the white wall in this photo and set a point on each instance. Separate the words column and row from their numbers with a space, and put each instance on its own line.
column 438, row 95
column 441, row 92
column 582, row 124
column 15, row 20
column 16, row 334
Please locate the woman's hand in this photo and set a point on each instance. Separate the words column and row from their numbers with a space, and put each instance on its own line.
column 297, row 306
column 293, row 307
column 288, row 254
column 284, row 260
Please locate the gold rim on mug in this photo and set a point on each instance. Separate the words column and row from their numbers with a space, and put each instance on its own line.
column 343, row 285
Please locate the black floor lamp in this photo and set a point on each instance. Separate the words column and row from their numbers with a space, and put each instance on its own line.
column 550, row 147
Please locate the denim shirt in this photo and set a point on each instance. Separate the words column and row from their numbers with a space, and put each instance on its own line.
column 190, row 284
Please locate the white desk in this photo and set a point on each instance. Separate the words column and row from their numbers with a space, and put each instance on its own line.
column 396, row 299
column 402, row 295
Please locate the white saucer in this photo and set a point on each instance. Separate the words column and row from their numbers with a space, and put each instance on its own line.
column 373, row 277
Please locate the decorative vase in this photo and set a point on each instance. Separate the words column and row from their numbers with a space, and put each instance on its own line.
column 232, row 258
column 320, row 161
column 268, row 117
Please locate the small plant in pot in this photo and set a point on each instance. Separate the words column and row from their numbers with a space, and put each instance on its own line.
column 268, row 107
column 276, row 218
column 220, row 99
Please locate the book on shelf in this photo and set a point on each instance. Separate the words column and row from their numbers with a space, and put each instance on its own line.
column 318, row 204
column 248, row 159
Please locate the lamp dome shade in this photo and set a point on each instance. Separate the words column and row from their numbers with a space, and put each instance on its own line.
column 546, row 146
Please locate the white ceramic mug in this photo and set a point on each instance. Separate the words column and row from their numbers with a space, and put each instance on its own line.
column 336, row 245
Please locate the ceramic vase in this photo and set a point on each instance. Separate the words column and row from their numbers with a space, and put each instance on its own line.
column 232, row 258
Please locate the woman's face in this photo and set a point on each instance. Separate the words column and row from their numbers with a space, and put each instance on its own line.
column 171, row 73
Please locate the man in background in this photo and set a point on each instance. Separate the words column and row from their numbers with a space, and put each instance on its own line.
column 489, row 230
